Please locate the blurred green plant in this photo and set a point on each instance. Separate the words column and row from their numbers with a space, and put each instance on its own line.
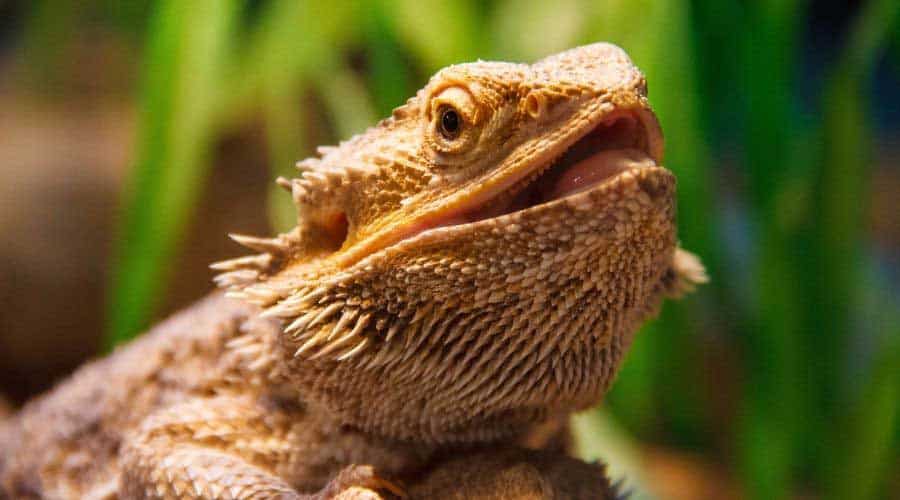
column 180, row 94
column 768, row 432
column 866, row 406
column 771, row 198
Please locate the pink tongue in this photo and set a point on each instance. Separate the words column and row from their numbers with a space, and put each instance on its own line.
column 595, row 169
column 576, row 178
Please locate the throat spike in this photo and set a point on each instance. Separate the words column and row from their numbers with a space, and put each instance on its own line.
column 285, row 183
column 274, row 246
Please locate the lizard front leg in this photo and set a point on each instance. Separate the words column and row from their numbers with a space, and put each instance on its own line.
column 225, row 447
column 514, row 473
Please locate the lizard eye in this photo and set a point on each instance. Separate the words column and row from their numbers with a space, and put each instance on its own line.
column 450, row 123
column 454, row 121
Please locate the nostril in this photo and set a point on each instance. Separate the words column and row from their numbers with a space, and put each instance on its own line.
column 534, row 105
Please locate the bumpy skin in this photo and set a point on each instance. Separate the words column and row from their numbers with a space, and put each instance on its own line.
column 408, row 336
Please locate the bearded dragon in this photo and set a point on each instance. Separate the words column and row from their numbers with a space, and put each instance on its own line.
column 462, row 277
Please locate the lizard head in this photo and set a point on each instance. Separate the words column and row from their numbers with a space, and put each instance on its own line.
column 480, row 259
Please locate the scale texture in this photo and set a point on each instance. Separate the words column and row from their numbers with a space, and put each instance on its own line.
column 462, row 277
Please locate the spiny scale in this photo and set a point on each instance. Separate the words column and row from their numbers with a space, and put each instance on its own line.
column 274, row 246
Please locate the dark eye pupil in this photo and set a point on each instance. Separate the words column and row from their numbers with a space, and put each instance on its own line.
column 450, row 123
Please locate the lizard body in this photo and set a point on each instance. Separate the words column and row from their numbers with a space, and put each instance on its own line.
column 462, row 276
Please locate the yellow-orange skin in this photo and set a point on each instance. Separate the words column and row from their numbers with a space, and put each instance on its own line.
column 387, row 356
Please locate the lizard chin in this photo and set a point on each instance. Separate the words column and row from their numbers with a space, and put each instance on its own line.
column 617, row 145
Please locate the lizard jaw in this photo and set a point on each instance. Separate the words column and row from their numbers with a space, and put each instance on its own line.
column 619, row 143
column 603, row 128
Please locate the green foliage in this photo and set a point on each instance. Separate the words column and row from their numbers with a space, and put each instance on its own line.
column 772, row 200
column 180, row 93
column 869, row 409
column 768, row 427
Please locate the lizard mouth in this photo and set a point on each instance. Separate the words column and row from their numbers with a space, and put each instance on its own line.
column 618, row 144
column 620, row 141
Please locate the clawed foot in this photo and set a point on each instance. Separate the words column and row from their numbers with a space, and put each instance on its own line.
column 358, row 482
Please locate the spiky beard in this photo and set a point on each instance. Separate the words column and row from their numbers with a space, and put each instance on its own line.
column 512, row 263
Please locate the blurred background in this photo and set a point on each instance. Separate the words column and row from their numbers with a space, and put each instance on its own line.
column 135, row 135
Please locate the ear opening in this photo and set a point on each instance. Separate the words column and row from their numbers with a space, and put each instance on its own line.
column 334, row 230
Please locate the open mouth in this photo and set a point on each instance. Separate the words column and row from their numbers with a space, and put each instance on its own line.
column 618, row 144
